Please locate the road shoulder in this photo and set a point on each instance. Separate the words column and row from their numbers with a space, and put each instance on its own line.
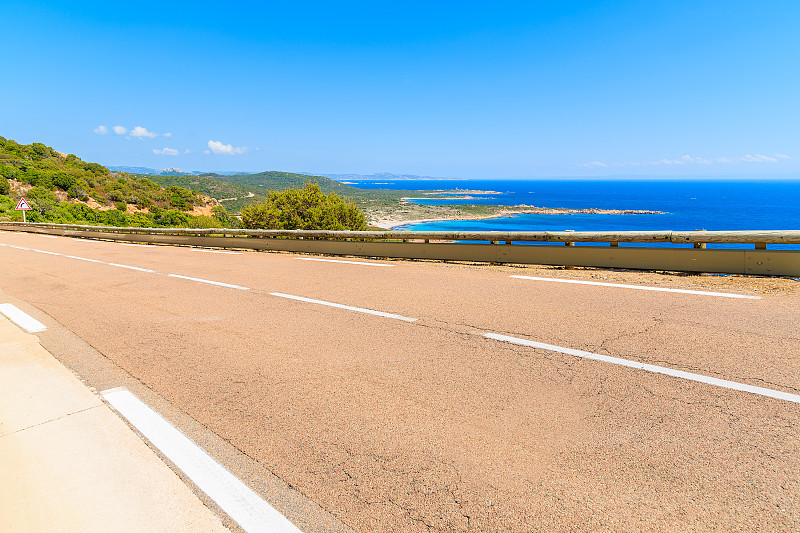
column 68, row 463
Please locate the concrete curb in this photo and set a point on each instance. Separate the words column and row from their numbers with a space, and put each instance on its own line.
column 69, row 463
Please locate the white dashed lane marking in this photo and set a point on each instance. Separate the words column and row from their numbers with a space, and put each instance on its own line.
column 639, row 287
column 650, row 368
column 342, row 306
column 130, row 267
column 200, row 280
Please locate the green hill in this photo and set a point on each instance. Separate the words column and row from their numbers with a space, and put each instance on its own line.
column 63, row 188
column 367, row 199
column 279, row 181
column 232, row 196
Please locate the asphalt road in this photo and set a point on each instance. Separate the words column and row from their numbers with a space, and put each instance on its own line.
column 428, row 425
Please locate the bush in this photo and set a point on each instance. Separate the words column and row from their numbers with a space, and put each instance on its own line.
column 203, row 221
column 8, row 172
column 76, row 192
column 5, row 187
column 64, row 181
column 306, row 208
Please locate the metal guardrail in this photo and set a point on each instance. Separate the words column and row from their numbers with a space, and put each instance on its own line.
column 419, row 245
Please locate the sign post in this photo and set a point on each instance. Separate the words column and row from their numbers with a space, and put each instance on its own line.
column 23, row 206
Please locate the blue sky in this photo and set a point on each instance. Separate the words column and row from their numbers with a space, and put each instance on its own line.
column 452, row 89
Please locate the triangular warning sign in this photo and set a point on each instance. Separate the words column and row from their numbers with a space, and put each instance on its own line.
column 22, row 205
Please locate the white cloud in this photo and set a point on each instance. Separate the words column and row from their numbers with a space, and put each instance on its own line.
column 225, row 149
column 168, row 134
column 692, row 160
column 187, row 151
column 100, row 130
column 165, row 151
column 119, row 130
column 140, row 133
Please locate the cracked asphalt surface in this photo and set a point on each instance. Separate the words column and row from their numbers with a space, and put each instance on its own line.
column 429, row 426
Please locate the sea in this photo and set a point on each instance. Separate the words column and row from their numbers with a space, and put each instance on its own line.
column 688, row 204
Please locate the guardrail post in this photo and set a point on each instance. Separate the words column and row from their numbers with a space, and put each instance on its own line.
column 761, row 246
column 700, row 245
column 614, row 244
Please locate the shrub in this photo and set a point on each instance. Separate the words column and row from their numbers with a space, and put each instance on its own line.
column 76, row 192
column 5, row 187
column 64, row 181
column 8, row 172
column 306, row 208
column 203, row 221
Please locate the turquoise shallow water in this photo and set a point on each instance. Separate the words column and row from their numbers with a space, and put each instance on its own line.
column 688, row 204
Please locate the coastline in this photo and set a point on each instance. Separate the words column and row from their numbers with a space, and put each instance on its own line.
column 390, row 223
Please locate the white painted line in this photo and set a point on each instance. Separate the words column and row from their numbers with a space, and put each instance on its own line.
column 340, row 261
column 215, row 251
column 341, row 306
column 137, row 245
column 22, row 319
column 48, row 236
column 211, row 282
column 130, row 267
column 640, row 287
column 243, row 505
column 84, row 259
column 650, row 368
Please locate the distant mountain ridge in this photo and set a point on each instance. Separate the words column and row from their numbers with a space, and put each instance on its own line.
column 379, row 176
column 337, row 177
column 173, row 171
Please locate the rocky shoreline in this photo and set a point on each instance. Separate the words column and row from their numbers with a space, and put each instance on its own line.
column 429, row 213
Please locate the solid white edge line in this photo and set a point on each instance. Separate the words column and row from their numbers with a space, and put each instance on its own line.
column 789, row 397
column 639, row 287
column 240, row 502
column 215, row 251
column 342, row 306
column 21, row 318
column 341, row 261
column 199, row 280
column 136, row 245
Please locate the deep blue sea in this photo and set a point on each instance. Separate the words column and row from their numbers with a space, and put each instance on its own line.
column 688, row 204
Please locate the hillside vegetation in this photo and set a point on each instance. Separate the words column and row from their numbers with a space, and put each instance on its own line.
column 232, row 196
column 64, row 189
column 367, row 199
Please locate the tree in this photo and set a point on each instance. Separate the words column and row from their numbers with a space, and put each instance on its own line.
column 5, row 187
column 306, row 208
